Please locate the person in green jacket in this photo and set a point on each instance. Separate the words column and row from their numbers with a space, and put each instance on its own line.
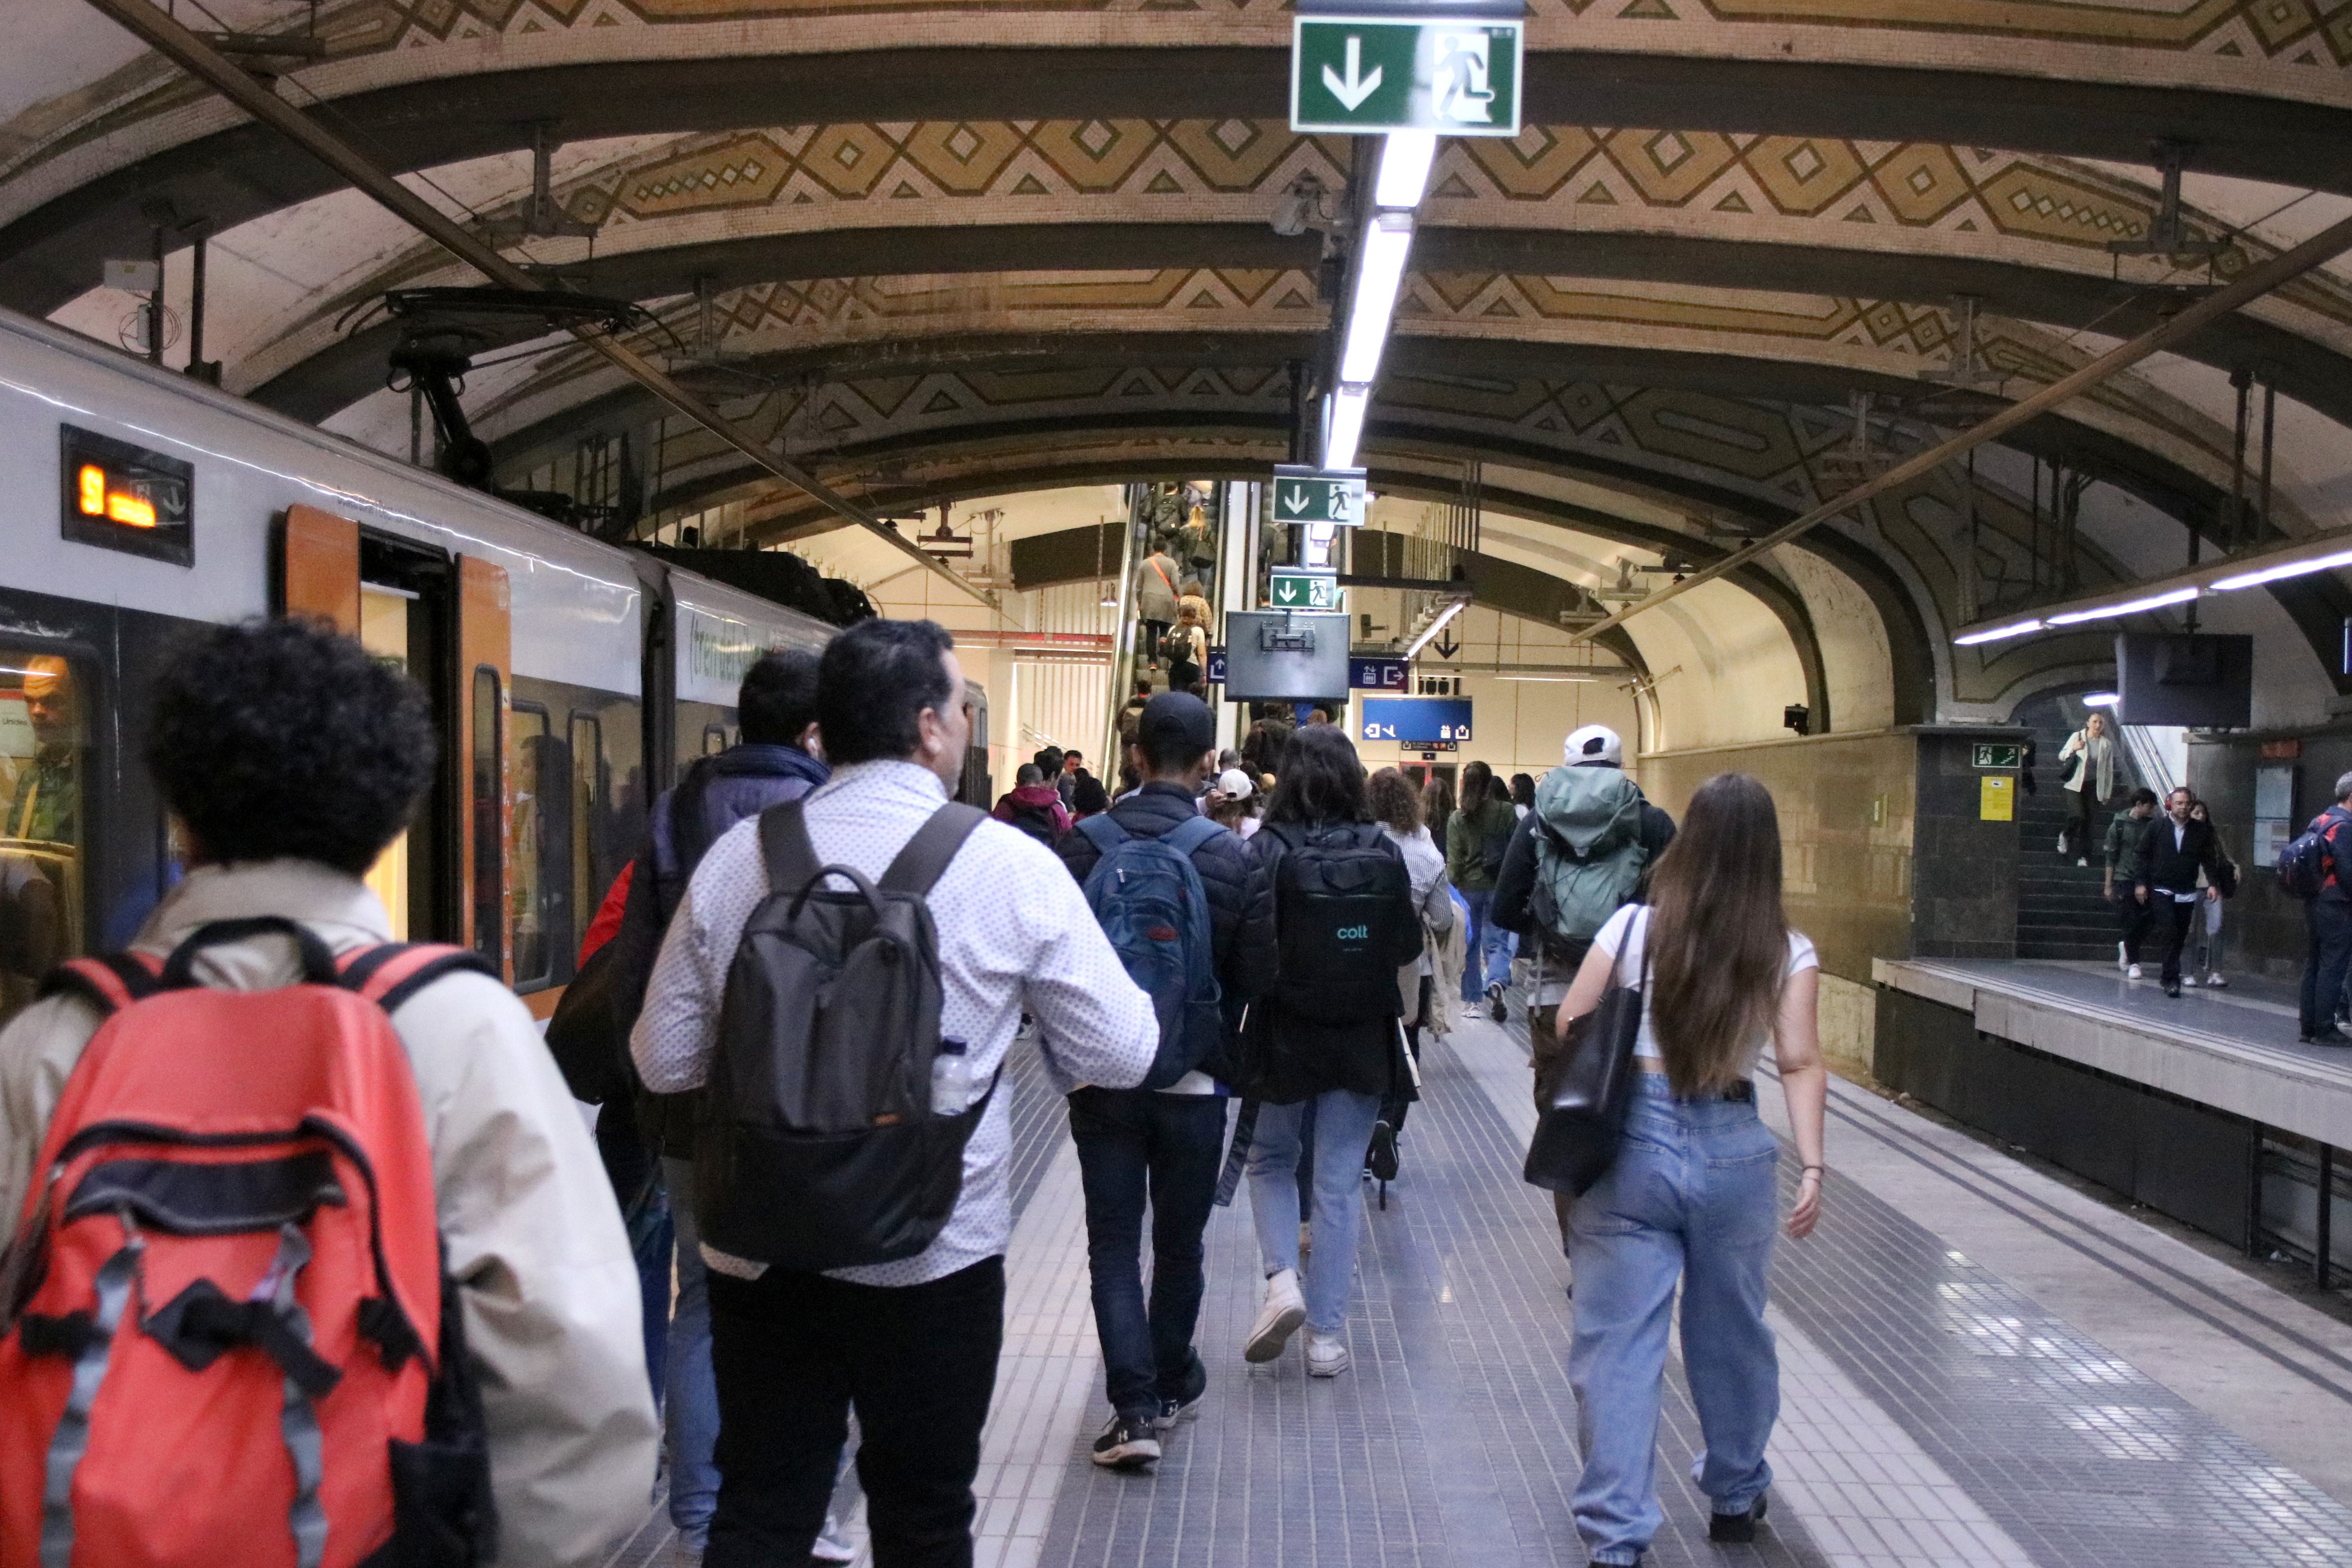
column 1475, row 837
column 2123, row 834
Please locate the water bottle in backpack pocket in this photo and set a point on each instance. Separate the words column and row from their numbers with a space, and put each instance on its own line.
column 817, row 1146
column 1147, row 895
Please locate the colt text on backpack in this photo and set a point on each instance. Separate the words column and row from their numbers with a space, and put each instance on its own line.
column 1589, row 854
column 1148, row 897
column 817, row 1147
column 2308, row 863
column 229, row 1338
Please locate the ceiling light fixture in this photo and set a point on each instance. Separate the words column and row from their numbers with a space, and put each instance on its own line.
column 2128, row 608
column 2102, row 700
column 1379, row 268
column 2015, row 629
column 2286, row 569
column 1405, row 158
column 1436, row 627
column 1345, row 412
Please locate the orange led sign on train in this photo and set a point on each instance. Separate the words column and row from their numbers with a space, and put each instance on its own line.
column 99, row 499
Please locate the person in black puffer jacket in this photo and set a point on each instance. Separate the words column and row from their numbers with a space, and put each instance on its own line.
column 1316, row 1042
column 1167, row 1142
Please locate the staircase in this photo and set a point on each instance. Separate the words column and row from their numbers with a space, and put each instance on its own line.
column 2060, row 914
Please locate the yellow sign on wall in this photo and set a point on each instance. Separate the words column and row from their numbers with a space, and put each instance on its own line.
column 1997, row 798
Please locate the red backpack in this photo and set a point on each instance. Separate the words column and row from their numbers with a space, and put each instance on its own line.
column 228, row 1333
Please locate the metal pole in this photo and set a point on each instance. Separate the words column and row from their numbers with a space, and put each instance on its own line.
column 2270, row 429
column 2242, row 381
column 208, row 65
column 2257, row 281
column 196, row 307
column 155, row 306
column 2323, row 1243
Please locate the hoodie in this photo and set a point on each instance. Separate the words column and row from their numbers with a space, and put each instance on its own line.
column 1033, row 797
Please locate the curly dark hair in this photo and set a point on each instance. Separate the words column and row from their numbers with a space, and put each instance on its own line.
column 1390, row 799
column 875, row 681
column 282, row 740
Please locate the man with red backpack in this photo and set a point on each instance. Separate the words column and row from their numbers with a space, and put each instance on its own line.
column 304, row 1189
column 2327, row 916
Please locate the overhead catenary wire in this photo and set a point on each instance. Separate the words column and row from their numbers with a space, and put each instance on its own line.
column 200, row 59
column 2258, row 280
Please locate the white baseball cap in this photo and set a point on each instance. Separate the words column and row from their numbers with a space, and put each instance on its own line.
column 1595, row 743
column 1235, row 785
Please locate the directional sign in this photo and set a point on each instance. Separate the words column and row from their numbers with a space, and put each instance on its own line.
column 1998, row 754
column 1416, row 720
column 1306, row 588
column 1358, row 74
column 1215, row 671
column 1319, row 495
column 1378, row 674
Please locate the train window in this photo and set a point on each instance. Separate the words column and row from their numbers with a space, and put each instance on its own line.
column 43, row 761
column 529, row 897
column 384, row 632
column 714, row 739
column 489, row 849
column 587, row 799
column 127, row 498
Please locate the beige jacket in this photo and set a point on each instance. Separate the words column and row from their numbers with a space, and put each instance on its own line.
column 535, row 1240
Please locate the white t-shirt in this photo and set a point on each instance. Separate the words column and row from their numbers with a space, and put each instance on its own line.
column 1624, row 938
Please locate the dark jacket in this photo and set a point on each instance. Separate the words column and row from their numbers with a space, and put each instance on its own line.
column 742, row 780
column 1513, row 909
column 2174, row 869
column 1241, row 901
column 1289, row 1056
column 1034, row 807
column 1465, row 844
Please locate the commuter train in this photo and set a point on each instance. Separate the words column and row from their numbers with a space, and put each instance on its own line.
column 569, row 678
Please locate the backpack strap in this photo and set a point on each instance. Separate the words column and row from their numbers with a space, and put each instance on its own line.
column 110, row 982
column 784, row 847
column 1187, row 837
column 318, row 962
column 927, row 853
column 391, row 974
column 1105, row 837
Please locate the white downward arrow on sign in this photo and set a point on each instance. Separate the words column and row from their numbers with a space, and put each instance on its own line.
column 1294, row 500
column 1358, row 87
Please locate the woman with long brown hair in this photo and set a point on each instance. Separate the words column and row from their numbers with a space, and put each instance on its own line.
column 1691, row 1196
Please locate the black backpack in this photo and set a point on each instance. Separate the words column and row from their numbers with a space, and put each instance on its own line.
column 816, row 1146
column 1037, row 822
column 1343, row 921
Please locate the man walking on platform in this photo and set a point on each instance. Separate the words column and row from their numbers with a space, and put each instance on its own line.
column 2124, row 833
column 2173, row 851
column 912, row 1345
column 2329, row 916
column 1164, row 1145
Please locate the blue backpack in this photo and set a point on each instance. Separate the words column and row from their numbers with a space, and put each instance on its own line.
column 1150, row 902
column 2306, row 864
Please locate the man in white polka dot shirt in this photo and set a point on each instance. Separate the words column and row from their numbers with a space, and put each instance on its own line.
column 912, row 1345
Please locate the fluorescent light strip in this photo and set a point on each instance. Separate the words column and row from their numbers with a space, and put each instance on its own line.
column 2128, row 608
column 2290, row 568
column 2016, row 630
column 1345, row 411
column 2102, row 700
column 1436, row 626
column 1380, row 268
column 1405, row 158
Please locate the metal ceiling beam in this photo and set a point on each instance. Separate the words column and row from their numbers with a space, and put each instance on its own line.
column 2323, row 247
column 208, row 65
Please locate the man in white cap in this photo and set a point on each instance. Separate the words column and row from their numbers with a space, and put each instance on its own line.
column 1543, row 835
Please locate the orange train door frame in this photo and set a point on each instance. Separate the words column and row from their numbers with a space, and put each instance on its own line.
column 485, row 696
column 318, row 568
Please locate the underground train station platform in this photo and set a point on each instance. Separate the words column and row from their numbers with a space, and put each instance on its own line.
column 1981, row 1366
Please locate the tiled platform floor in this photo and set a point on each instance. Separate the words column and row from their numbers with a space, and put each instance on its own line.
column 1935, row 1413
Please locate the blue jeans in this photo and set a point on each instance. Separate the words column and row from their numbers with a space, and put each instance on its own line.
column 1473, row 955
column 1691, row 1198
column 1169, row 1147
column 1502, row 946
column 690, row 1406
column 1343, row 1125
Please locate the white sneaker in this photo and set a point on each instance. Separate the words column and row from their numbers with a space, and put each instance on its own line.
column 1285, row 1309
column 2215, row 979
column 2082, row 861
column 1327, row 1356
column 2190, row 980
column 2062, row 844
column 2131, row 972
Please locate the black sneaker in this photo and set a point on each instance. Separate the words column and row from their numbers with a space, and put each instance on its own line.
column 1380, row 1157
column 2173, row 989
column 1186, row 1405
column 1126, row 1443
column 1495, row 1003
column 1735, row 1529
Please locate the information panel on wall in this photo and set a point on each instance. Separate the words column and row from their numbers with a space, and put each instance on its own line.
column 1414, row 721
column 122, row 497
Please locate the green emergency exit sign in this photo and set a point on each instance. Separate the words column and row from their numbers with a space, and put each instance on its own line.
column 1304, row 588
column 1998, row 754
column 1460, row 78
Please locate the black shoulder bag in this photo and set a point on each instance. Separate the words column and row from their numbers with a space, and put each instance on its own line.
column 1585, row 1102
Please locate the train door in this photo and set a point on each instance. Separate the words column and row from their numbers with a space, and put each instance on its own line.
column 1422, row 772
column 446, row 620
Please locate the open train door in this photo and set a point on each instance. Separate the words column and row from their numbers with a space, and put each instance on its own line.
column 486, row 680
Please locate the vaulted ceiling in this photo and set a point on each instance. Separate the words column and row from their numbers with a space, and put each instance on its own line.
column 934, row 251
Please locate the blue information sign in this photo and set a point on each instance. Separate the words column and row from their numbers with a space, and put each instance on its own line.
column 1378, row 674
column 1414, row 721
column 1214, row 672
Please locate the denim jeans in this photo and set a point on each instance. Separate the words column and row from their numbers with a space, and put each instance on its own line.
column 1690, row 1198
column 1133, row 1144
column 1473, row 955
column 2329, row 921
column 1343, row 1124
column 690, row 1405
column 1502, row 946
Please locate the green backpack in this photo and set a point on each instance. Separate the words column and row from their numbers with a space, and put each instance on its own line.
column 1589, row 854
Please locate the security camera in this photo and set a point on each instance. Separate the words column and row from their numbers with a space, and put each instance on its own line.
column 1299, row 207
